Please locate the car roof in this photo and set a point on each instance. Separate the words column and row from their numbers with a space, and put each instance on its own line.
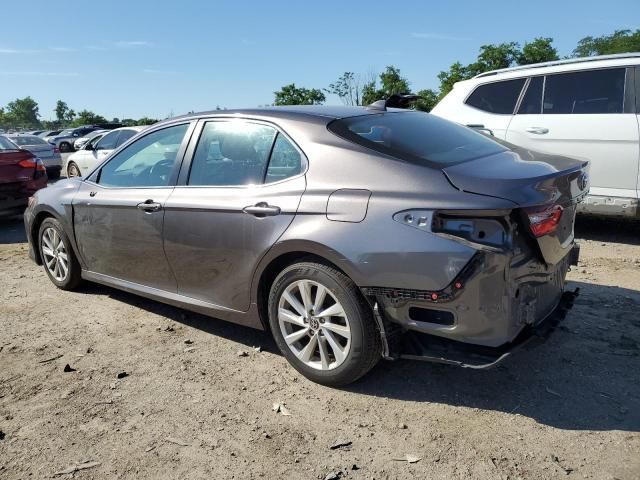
column 566, row 65
column 309, row 113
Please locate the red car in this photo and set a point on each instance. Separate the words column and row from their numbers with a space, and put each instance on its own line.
column 21, row 174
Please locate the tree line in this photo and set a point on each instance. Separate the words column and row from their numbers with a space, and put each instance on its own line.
column 356, row 89
column 25, row 113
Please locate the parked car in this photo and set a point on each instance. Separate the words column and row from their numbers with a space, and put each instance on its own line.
column 82, row 141
column 84, row 160
column 48, row 133
column 49, row 154
column 349, row 233
column 21, row 174
column 586, row 108
column 65, row 139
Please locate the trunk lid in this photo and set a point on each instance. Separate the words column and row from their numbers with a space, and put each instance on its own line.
column 537, row 183
column 42, row 151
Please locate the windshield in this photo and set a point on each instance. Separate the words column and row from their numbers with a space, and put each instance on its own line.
column 6, row 144
column 416, row 137
column 28, row 140
column 65, row 133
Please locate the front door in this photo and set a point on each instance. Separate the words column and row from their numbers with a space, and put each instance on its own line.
column 583, row 115
column 119, row 210
column 237, row 197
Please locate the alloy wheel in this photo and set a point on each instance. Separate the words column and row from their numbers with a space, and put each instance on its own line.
column 314, row 325
column 55, row 254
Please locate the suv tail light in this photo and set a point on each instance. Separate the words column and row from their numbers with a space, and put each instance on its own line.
column 544, row 221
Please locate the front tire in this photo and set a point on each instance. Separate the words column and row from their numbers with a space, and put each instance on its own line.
column 59, row 260
column 322, row 324
column 73, row 170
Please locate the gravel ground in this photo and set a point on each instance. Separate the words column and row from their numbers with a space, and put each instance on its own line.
column 195, row 398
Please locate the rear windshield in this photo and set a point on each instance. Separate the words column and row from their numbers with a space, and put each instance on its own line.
column 416, row 137
column 6, row 144
column 28, row 140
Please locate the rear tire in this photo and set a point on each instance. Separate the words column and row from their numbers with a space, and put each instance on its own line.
column 331, row 336
column 53, row 173
column 65, row 147
column 58, row 258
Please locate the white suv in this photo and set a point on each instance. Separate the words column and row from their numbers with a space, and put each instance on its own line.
column 587, row 108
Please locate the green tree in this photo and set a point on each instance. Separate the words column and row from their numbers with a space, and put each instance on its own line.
column 292, row 95
column 391, row 82
column 146, row 121
column 538, row 51
column 86, row 117
column 428, row 99
column 23, row 112
column 348, row 88
column 620, row 41
column 456, row 73
column 61, row 111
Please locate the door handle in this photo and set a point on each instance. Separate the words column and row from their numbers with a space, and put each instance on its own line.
column 262, row 209
column 538, row 130
column 149, row 206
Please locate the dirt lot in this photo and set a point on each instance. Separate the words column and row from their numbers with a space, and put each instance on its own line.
column 191, row 407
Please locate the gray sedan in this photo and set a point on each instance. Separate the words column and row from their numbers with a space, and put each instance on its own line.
column 350, row 234
column 49, row 154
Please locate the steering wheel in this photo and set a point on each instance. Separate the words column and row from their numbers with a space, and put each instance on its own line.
column 161, row 170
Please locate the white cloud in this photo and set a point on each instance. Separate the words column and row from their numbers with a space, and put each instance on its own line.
column 436, row 36
column 62, row 49
column 132, row 43
column 39, row 74
column 15, row 51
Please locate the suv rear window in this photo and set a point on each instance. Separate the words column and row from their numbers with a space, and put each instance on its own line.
column 496, row 97
column 416, row 137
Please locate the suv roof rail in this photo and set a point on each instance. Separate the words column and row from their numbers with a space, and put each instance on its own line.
column 567, row 61
column 397, row 100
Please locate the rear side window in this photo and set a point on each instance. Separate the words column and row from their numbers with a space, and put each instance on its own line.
column 231, row 153
column 416, row 137
column 6, row 144
column 595, row 91
column 532, row 101
column 285, row 162
column 496, row 97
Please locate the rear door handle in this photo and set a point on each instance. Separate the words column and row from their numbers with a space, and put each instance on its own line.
column 538, row 130
column 262, row 209
column 150, row 206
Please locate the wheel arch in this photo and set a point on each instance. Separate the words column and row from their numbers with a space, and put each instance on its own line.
column 34, row 230
column 285, row 254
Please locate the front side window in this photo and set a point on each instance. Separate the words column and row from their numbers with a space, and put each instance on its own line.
column 108, row 142
column 231, row 153
column 124, row 136
column 416, row 137
column 532, row 101
column 147, row 162
column 595, row 91
column 496, row 97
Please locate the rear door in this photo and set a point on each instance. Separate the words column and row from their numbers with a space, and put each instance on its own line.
column 584, row 115
column 118, row 212
column 237, row 194
column 491, row 105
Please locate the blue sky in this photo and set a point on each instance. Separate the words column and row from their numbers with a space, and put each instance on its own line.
column 141, row 57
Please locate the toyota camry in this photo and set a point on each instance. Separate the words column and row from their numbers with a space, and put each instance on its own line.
column 350, row 234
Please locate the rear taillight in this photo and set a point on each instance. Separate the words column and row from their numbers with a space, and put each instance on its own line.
column 28, row 163
column 544, row 221
column 56, row 150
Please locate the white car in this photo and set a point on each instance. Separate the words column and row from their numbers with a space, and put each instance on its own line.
column 82, row 141
column 96, row 150
column 585, row 108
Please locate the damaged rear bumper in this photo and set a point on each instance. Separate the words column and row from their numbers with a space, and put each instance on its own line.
column 419, row 346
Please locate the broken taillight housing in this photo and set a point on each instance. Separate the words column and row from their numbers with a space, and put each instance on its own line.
column 544, row 221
